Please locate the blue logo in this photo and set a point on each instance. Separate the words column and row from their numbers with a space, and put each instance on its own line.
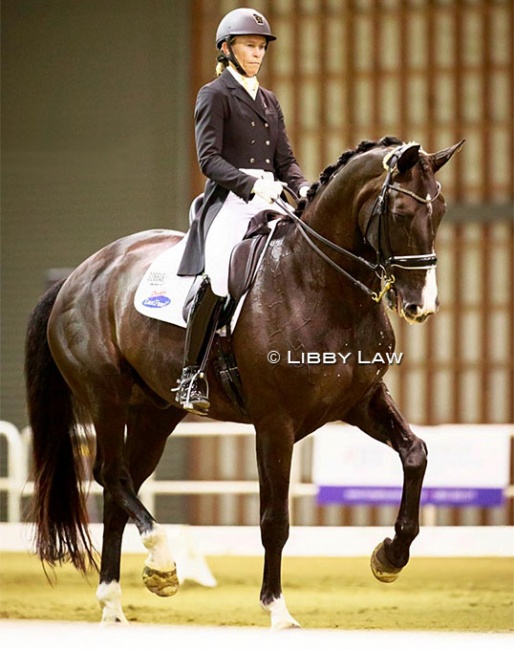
column 156, row 302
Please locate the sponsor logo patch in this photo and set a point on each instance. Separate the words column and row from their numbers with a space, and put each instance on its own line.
column 156, row 302
column 157, row 278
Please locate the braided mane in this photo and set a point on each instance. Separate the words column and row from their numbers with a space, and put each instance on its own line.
column 329, row 171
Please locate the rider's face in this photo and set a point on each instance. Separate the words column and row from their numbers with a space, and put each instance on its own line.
column 249, row 51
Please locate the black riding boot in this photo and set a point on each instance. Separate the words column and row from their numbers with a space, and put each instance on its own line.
column 193, row 390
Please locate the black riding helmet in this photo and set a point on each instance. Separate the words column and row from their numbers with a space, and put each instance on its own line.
column 241, row 22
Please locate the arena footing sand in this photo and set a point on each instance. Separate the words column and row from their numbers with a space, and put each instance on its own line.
column 468, row 595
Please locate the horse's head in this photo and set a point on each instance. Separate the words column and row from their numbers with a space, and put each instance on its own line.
column 401, row 226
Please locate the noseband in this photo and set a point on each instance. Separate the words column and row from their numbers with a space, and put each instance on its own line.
column 385, row 261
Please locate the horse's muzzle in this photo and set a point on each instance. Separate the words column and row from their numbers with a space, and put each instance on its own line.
column 412, row 311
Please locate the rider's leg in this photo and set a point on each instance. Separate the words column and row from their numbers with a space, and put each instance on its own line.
column 193, row 392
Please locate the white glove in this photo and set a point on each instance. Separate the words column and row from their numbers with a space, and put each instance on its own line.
column 267, row 189
column 302, row 192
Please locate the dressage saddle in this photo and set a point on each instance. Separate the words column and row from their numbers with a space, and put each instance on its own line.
column 244, row 261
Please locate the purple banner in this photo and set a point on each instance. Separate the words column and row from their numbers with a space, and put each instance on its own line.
column 440, row 496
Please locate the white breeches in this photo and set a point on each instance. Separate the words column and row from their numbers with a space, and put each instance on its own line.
column 228, row 229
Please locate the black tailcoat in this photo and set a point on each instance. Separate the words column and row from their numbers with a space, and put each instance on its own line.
column 235, row 132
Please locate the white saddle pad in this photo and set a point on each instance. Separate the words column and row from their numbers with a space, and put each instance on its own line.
column 162, row 293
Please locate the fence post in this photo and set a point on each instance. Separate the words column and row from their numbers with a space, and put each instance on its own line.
column 16, row 470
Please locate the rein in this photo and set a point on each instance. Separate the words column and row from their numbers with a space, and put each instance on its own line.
column 304, row 229
column 408, row 262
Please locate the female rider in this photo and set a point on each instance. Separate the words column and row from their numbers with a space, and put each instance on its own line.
column 244, row 151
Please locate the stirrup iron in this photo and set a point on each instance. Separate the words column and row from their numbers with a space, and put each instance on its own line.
column 185, row 390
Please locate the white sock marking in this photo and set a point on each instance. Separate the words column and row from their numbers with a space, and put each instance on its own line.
column 108, row 595
column 281, row 619
column 159, row 554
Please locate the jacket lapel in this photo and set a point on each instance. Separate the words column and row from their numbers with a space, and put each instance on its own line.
column 240, row 94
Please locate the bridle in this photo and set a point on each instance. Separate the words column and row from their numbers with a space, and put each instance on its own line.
column 385, row 260
column 380, row 210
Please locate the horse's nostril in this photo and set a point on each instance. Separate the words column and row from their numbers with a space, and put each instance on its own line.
column 411, row 309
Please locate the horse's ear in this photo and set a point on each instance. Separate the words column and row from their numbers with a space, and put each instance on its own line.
column 440, row 158
column 409, row 158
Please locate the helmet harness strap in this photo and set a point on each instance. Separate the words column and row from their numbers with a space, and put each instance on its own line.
column 232, row 58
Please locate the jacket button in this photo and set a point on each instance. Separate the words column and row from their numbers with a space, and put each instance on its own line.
column 268, row 160
column 266, row 124
column 252, row 142
column 253, row 123
column 252, row 160
column 268, row 142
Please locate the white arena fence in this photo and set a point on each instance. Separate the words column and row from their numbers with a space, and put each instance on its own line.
column 16, row 484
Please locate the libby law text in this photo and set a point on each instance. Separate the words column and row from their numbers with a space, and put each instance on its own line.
column 330, row 358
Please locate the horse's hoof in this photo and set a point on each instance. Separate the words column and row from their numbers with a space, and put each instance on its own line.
column 117, row 619
column 285, row 625
column 161, row 583
column 382, row 569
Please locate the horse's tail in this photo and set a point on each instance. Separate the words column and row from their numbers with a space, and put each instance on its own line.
column 59, row 504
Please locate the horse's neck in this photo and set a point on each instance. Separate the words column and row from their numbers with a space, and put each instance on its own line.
column 334, row 216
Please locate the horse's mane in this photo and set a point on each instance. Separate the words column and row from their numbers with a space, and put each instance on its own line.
column 329, row 171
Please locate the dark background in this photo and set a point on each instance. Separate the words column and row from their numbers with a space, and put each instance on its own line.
column 96, row 127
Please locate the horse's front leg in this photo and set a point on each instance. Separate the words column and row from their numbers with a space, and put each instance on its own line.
column 274, row 453
column 380, row 418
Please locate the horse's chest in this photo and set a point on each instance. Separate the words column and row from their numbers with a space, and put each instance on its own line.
column 344, row 357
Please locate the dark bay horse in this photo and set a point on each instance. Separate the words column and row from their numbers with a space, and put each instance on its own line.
column 367, row 231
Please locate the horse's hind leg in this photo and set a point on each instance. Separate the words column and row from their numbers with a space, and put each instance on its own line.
column 147, row 431
column 380, row 418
